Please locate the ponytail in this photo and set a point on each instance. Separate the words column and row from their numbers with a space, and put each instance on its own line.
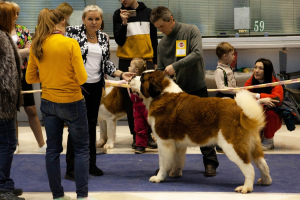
column 46, row 24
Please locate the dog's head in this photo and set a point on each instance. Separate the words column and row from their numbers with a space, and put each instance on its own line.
column 150, row 84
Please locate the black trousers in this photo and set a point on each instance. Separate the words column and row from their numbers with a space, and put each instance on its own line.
column 92, row 93
column 123, row 66
column 209, row 153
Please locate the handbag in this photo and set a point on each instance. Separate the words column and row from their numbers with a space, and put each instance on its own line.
column 288, row 112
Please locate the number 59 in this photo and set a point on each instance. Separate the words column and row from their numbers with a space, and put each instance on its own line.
column 259, row 26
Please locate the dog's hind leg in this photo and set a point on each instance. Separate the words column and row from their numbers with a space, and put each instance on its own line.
column 166, row 152
column 111, row 133
column 239, row 154
column 103, row 134
column 260, row 162
column 179, row 161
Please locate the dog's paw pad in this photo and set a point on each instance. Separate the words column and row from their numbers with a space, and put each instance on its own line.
column 108, row 146
column 155, row 179
column 243, row 189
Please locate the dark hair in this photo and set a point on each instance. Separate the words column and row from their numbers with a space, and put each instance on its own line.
column 160, row 12
column 7, row 15
column 268, row 76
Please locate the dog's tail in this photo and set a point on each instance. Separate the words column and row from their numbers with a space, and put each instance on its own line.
column 252, row 118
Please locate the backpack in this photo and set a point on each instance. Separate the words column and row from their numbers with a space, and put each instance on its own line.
column 288, row 112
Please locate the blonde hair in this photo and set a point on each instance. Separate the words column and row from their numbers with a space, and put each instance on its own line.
column 92, row 8
column 141, row 64
column 13, row 3
column 223, row 48
column 47, row 21
column 65, row 8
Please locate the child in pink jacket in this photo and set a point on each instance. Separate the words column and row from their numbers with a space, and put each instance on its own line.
column 140, row 113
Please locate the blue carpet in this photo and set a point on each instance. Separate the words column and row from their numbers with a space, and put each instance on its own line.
column 130, row 172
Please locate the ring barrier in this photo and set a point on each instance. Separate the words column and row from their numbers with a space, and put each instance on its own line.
column 116, row 84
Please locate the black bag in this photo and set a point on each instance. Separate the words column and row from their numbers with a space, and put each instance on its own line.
column 288, row 112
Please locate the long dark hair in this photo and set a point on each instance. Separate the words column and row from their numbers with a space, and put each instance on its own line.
column 268, row 76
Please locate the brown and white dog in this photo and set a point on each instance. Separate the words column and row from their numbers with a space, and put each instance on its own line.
column 179, row 120
column 112, row 108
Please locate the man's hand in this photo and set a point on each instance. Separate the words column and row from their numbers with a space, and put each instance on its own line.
column 124, row 15
column 169, row 70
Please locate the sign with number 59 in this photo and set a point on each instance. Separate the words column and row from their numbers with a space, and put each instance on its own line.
column 259, row 26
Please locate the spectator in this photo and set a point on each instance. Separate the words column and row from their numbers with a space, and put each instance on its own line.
column 10, row 101
column 136, row 36
column 95, row 54
column 269, row 97
column 22, row 38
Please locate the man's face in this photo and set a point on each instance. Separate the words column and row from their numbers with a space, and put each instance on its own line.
column 165, row 27
column 128, row 3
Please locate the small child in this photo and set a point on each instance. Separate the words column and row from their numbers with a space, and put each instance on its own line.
column 140, row 113
column 224, row 75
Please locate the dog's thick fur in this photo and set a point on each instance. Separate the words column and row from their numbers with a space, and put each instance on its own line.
column 179, row 120
column 112, row 107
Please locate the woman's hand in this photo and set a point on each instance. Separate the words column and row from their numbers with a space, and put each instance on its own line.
column 270, row 103
column 127, row 76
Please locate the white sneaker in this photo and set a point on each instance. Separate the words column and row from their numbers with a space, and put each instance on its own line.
column 17, row 150
column 267, row 144
column 42, row 149
column 88, row 198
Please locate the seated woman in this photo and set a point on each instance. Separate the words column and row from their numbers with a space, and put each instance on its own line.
column 269, row 97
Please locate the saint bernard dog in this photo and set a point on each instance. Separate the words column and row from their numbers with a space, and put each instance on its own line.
column 112, row 108
column 179, row 120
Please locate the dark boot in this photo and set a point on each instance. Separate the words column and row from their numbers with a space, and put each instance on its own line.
column 151, row 143
column 133, row 145
column 94, row 170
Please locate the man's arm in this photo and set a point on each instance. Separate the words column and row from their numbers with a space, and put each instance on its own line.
column 120, row 30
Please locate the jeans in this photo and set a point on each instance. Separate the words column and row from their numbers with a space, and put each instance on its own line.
column 8, row 143
column 209, row 152
column 74, row 115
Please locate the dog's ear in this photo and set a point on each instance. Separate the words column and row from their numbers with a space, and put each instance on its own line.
column 155, row 88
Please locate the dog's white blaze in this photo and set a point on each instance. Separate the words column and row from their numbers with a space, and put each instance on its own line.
column 172, row 88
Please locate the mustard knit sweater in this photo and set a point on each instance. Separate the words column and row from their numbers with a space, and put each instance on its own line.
column 61, row 70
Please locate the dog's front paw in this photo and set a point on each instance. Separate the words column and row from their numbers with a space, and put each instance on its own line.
column 243, row 189
column 266, row 181
column 100, row 143
column 155, row 179
column 108, row 146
